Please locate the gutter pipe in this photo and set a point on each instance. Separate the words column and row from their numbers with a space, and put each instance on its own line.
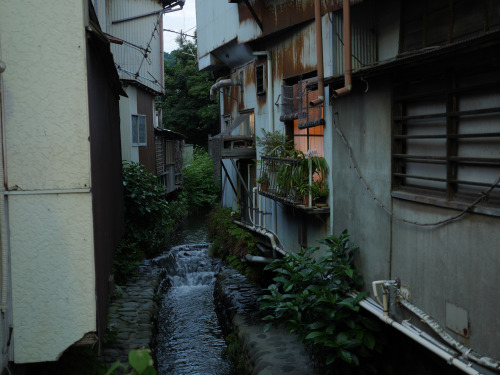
column 319, row 54
column 258, row 259
column 270, row 111
column 223, row 83
column 4, row 212
column 264, row 232
column 466, row 352
column 347, row 53
column 370, row 305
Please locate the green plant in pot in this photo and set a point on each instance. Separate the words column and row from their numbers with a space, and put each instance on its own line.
column 302, row 189
column 274, row 143
column 319, row 192
column 263, row 181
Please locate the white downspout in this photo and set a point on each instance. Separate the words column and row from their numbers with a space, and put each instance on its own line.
column 373, row 308
column 3, row 211
column 270, row 113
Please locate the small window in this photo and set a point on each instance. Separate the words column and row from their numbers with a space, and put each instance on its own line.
column 259, row 75
column 447, row 137
column 138, row 130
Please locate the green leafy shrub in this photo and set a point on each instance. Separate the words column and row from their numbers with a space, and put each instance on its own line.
column 199, row 189
column 149, row 220
column 146, row 208
column 231, row 242
column 140, row 363
column 310, row 296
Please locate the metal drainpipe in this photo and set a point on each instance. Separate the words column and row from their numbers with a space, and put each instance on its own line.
column 319, row 54
column 4, row 213
column 270, row 111
column 375, row 310
column 223, row 83
column 347, row 52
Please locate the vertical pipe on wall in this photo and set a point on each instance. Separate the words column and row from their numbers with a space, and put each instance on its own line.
column 270, row 113
column 319, row 54
column 3, row 211
column 347, row 52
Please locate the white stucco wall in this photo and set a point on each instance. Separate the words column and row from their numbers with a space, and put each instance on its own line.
column 53, row 278
column 48, row 153
column 45, row 95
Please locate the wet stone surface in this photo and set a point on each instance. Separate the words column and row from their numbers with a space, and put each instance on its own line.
column 131, row 315
column 273, row 352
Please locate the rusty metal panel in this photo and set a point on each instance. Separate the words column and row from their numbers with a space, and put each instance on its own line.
column 296, row 55
column 364, row 38
column 278, row 15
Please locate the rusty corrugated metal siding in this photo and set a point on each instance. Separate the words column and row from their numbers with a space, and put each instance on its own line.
column 279, row 15
column 364, row 37
column 139, row 33
column 296, row 55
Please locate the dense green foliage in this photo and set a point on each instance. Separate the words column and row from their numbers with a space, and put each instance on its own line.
column 149, row 218
column 199, row 189
column 187, row 107
column 311, row 297
column 231, row 242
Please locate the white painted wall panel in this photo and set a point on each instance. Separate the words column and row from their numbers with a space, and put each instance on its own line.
column 53, row 284
column 47, row 146
column 216, row 24
column 45, row 92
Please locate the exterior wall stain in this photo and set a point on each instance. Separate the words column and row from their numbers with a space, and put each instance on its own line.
column 279, row 15
column 296, row 55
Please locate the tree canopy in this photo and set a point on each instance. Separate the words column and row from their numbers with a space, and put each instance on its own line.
column 187, row 107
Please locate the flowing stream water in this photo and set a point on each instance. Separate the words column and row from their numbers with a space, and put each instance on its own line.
column 189, row 339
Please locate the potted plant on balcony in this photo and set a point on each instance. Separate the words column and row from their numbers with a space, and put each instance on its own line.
column 302, row 189
column 274, row 143
column 263, row 181
column 319, row 193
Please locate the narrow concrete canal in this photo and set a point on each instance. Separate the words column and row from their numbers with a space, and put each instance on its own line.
column 190, row 340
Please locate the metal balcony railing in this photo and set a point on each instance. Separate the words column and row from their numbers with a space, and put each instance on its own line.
column 277, row 176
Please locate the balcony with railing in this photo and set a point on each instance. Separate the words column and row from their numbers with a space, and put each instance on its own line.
column 299, row 183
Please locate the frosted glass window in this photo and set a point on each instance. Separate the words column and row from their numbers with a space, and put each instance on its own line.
column 139, row 130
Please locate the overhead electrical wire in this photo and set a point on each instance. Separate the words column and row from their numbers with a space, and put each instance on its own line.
column 482, row 196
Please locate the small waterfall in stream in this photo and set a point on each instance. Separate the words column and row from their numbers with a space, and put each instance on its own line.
column 189, row 339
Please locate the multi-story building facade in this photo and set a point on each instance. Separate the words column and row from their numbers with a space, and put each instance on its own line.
column 401, row 99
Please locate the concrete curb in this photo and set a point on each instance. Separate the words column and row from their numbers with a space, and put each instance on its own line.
column 273, row 352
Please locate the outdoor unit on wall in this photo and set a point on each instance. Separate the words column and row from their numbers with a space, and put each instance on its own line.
column 363, row 35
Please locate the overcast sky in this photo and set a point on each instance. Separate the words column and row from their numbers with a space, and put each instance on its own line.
column 184, row 20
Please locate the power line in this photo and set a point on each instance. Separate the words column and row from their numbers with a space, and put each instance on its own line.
column 482, row 196
column 180, row 33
